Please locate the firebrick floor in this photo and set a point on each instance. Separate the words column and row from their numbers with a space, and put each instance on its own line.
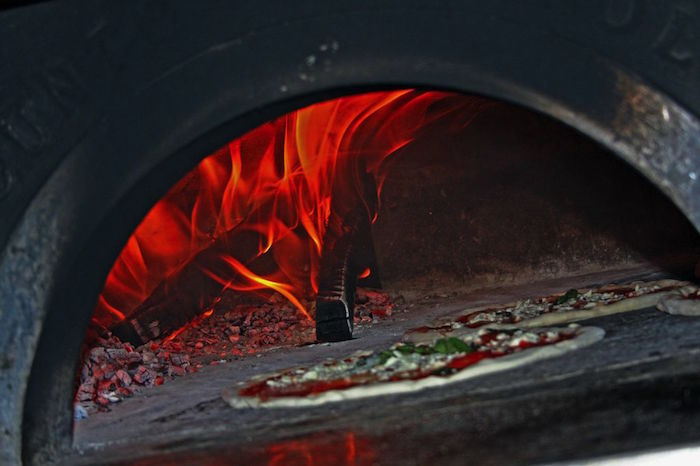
column 637, row 389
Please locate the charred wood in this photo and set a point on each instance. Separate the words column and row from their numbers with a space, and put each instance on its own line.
column 187, row 293
column 348, row 249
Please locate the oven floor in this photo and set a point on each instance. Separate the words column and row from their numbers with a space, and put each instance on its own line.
column 637, row 389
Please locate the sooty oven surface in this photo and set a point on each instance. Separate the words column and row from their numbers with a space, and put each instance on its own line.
column 105, row 106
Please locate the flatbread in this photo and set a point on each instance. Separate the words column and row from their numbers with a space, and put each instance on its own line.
column 336, row 389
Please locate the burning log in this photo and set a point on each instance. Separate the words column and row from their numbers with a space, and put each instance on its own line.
column 335, row 302
column 348, row 249
column 194, row 289
column 188, row 293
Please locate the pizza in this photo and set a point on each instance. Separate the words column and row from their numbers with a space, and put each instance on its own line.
column 557, row 309
column 406, row 367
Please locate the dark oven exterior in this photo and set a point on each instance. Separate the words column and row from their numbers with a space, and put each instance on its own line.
column 103, row 105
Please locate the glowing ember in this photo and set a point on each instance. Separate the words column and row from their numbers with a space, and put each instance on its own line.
column 273, row 185
column 112, row 370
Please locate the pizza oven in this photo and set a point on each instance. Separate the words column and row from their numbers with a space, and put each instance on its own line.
column 199, row 195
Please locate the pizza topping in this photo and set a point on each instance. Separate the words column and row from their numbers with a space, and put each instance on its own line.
column 572, row 294
column 571, row 300
column 403, row 361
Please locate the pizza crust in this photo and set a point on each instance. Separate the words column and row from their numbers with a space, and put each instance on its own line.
column 683, row 302
column 586, row 337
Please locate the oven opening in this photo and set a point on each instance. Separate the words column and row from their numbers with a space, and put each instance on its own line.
column 366, row 247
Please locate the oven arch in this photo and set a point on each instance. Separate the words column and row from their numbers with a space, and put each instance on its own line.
column 156, row 126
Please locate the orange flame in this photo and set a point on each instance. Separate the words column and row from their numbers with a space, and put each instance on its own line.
column 275, row 181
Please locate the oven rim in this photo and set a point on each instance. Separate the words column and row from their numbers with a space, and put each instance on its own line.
column 635, row 120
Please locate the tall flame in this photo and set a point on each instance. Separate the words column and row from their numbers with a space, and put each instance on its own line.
column 275, row 181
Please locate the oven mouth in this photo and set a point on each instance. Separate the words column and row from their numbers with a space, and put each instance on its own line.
column 106, row 107
column 422, row 198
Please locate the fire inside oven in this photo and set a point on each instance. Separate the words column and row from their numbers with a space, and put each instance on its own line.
column 350, row 212
column 284, row 211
